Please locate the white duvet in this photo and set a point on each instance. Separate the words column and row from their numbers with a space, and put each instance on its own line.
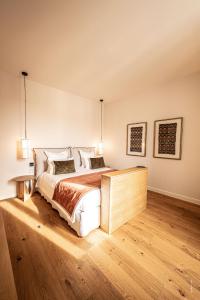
column 46, row 184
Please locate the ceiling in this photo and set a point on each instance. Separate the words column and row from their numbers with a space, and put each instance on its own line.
column 109, row 48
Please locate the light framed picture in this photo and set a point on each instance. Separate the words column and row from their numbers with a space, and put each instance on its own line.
column 168, row 138
column 136, row 139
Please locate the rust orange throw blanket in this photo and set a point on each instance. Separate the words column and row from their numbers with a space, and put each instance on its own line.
column 68, row 192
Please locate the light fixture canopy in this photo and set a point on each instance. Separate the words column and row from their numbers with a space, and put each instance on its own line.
column 25, row 142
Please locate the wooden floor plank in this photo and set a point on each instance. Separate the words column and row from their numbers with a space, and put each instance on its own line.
column 154, row 256
column 7, row 284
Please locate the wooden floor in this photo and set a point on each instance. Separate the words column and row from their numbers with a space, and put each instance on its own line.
column 155, row 256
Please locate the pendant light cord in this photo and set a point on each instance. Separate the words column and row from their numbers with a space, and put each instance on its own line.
column 25, row 129
column 101, row 100
column 25, row 107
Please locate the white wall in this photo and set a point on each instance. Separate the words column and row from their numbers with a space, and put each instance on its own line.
column 54, row 119
column 178, row 99
column 57, row 119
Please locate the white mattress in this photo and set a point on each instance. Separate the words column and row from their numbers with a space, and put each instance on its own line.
column 86, row 216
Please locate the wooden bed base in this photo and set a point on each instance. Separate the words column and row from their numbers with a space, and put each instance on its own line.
column 124, row 195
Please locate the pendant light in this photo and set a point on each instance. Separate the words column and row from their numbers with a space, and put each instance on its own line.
column 25, row 142
column 100, row 146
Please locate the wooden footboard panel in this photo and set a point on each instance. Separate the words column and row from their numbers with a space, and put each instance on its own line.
column 124, row 195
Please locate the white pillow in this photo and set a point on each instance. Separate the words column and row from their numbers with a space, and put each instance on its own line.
column 51, row 167
column 85, row 155
column 57, row 155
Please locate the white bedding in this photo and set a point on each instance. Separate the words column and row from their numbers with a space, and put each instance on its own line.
column 86, row 216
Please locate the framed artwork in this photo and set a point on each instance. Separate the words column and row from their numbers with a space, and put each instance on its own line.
column 136, row 139
column 168, row 138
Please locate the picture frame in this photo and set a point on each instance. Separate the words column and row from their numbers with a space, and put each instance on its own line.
column 136, row 139
column 168, row 138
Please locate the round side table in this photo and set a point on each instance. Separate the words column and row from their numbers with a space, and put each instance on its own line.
column 25, row 186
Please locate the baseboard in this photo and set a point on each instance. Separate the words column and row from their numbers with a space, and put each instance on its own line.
column 8, row 197
column 173, row 195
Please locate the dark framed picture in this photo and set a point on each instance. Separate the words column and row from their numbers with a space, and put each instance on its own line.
column 168, row 138
column 136, row 139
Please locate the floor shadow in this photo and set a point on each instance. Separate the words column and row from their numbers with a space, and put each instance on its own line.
column 45, row 210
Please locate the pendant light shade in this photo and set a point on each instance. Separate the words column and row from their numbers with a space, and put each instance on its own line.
column 100, row 148
column 25, row 142
column 100, row 145
column 25, row 148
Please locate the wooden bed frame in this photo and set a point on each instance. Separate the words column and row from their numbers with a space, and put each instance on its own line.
column 124, row 195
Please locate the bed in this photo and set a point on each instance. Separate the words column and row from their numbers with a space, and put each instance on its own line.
column 95, row 208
